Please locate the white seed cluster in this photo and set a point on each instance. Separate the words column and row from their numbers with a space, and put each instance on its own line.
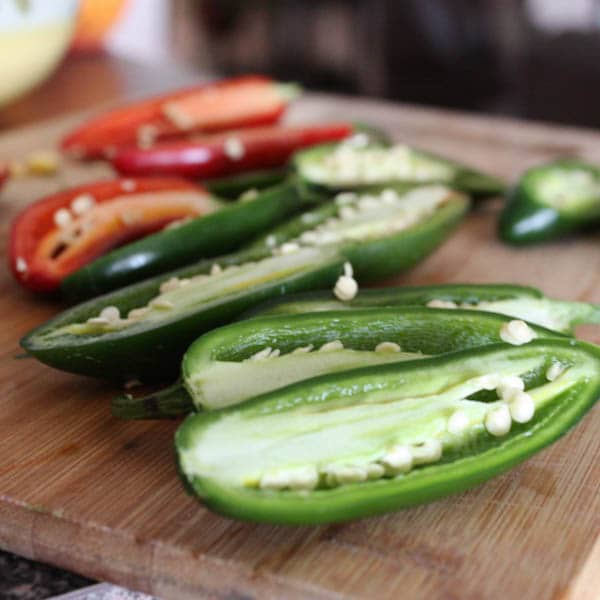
column 178, row 116
column 517, row 405
column 458, row 422
column 128, row 185
column 82, row 204
column 146, row 136
column 397, row 460
column 554, row 371
column 387, row 347
column 351, row 164
column 517, row 332
column 287, row 248
column 346, row 287
column 21, row 265
column 567, row 186
column 436, row 303
column 178, row 223
column 302, row 478
column 72, row 221
column 265, row 353
column 109, row 315
column 161, row 303
column 248, row 195
column 332, row 346
column 234, row 148
column 360, row 217
column 174, row 283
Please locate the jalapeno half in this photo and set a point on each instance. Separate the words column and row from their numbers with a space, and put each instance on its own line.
column 550, row 201
column 517, row 301
column 234, row 363
column 367, row 441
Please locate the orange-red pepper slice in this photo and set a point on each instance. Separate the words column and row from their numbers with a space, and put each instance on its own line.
column 59, row 234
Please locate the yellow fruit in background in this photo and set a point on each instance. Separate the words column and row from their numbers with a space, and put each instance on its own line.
column 94, row 20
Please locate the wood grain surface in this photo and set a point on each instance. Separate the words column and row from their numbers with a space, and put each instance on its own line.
column 83, row 490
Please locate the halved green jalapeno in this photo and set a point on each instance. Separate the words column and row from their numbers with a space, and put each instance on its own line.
column 517, row 301
column 142, row 331
column 550, row 201
column 233, row 363
column 331, row 168
column 372, row 440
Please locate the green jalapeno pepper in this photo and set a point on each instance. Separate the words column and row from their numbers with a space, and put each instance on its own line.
column 331, row 168
column 514, row 300
column 234, row 186
column 211, row 235
column 142, row 331
column 233, row 363
column 367, row 441
column 550, row 201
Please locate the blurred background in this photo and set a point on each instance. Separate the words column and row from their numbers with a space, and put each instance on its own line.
column 529, row 58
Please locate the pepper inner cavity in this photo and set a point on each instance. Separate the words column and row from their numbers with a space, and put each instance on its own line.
column 382, row 431
column 185, row 295
column 348, row 164
column 224, row 383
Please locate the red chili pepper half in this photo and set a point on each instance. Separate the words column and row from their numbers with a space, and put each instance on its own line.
column 61, row 233
column 227, row 153
column 231, row 103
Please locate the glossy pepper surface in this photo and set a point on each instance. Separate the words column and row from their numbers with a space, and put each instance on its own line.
column 367, row 441
column 208, row 108
column 61, row 233
column 231, row 364
column 551, row 201
column 521, row 302
column 228, row 153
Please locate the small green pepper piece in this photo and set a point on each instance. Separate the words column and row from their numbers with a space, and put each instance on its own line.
column 233, row 363
column 171, row 310
column 363, row 442
column 551, row 201
column 331, row 168
column 518, row 301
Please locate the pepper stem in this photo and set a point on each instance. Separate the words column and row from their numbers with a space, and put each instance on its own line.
column 167, row 403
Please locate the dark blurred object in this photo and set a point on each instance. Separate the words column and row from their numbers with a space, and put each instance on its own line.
column 488, row 55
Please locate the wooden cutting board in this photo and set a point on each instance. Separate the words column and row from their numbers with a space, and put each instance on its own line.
column 83, row 490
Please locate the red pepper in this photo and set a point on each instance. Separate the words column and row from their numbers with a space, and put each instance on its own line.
column 212, row 107
column 61, row 233
column 226, row 154
column 4, row 172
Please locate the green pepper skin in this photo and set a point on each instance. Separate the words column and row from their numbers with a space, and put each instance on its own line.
column 153, row 351
column 465, row 179
column 233, row 186
column 484, row 458
column 377, row 259
column 528, row 219
column 210, row 235
column 565, row 314
column 414, row 329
